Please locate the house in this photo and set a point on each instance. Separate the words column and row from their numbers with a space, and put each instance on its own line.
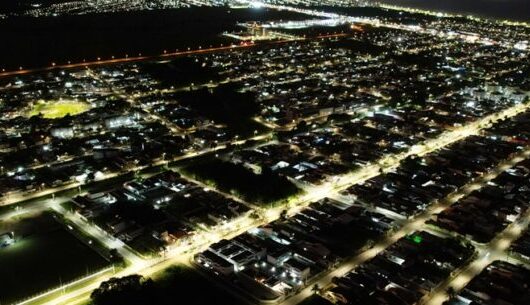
column 210, row 260
column 7, row 239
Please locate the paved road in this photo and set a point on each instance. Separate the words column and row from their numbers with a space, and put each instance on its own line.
column 496, row 249
column 16, row 198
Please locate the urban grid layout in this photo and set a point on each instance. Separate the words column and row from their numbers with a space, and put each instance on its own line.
column 311, row 152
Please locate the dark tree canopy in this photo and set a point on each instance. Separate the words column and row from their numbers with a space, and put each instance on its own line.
column 131, row 290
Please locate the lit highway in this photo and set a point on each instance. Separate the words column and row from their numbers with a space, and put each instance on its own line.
column 177, row 53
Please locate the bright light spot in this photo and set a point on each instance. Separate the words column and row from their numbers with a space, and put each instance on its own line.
column 256, row 4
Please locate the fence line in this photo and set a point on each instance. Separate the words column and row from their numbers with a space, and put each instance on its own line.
column 64, row 286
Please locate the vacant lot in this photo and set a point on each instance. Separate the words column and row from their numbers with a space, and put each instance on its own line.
column 44, row 256
column 267, row 187
column 226, row 105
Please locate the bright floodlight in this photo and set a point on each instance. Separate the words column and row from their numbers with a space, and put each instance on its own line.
column 256, row 4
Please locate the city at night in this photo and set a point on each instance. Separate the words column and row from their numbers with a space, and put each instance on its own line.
column 265, row 152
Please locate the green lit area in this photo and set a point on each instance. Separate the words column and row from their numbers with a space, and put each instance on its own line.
column 416, row 239
column 57, row 109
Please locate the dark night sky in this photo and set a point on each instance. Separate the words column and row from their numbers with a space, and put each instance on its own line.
column 503, row 9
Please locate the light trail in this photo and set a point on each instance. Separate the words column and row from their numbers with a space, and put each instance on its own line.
column 132, row 59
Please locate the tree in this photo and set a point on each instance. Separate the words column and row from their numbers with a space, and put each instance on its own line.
column 302, row 126
column 131, row 290
column 254, row 215
column 451, row 292
column 90, row 177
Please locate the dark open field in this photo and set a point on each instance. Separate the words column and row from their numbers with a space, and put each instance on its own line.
column 36, row 42
column 44, row 255
column 267, row 187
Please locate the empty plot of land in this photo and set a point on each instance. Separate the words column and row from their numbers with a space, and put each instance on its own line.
column 43, row 256
column 264, row 187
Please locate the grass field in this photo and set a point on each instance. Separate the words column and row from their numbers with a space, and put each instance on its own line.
column 57, row 109
column 44, row 256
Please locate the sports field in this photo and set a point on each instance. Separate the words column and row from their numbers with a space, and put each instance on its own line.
column 57, row 109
